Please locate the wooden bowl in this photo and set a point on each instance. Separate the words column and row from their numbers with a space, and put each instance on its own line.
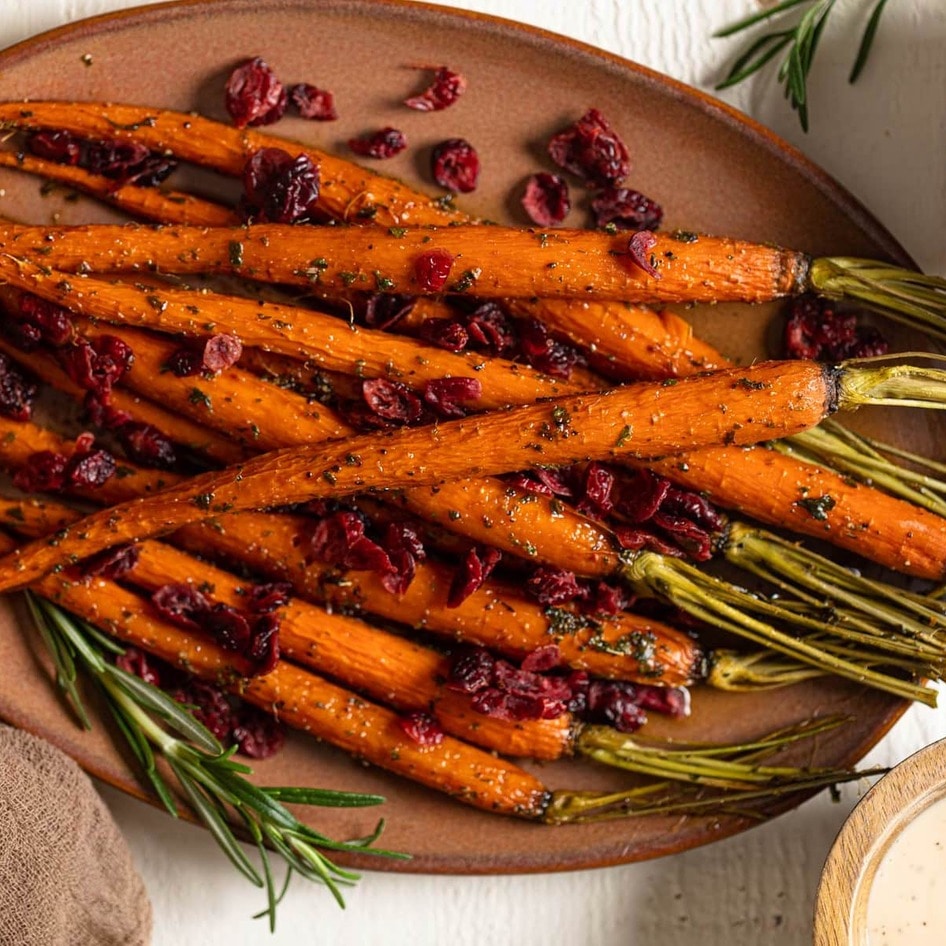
column 883, row 815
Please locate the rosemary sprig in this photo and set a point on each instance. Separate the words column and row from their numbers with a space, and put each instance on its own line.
column 799, row 39
column 214, row 784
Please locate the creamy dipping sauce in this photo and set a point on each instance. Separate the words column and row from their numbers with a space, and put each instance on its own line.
column 906, row 902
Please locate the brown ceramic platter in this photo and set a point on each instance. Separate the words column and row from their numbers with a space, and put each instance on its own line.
column 712, row 171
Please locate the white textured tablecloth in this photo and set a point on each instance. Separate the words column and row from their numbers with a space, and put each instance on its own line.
column 885, row 140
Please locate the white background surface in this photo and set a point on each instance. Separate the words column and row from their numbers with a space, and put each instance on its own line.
column 885, row 140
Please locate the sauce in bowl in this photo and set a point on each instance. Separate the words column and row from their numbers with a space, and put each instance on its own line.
column 906, row 903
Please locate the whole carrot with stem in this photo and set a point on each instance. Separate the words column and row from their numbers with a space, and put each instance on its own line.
column 350, row 192
column 775, row 490
column 496, row 615
column 483, row 780
column 293, row 475
column 387, row 667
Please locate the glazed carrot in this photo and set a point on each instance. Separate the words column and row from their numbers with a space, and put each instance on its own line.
column 306, row 701
column 187, row 433
column 148, row 203
column 352, row 193
column 497, row 615
column 221, row 403
column 740, row 406
column 324, row 339
column 386, row 667
column 632, row 343
column 346, row 190
column 774, row 489
column 488, row 262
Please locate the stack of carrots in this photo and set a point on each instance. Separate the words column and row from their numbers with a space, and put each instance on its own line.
column 269, row 464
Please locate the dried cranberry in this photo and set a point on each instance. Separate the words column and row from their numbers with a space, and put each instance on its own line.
column 556, row 479
column 145, row 444
column 99, row 365
column 446, row 88
column 671, row 701
column 641, row 495
column 592, row 150
column 112, row 158
column 404, row 549
column 267, row 597
column 253, row 95
column 606, row 599
column 432, row 268
column 474, row 569
column 626, row 209
column 553, row 585
column 456, row 165
column 643, row 538
column 209, row 356
column 262, row 649
column 181, row 604
column 339, row 539
column 43, row 472
column 542, row 659
column 392, row 400
column 379, row 144
column 16, row 393
column 139, row 664
column 209, row 706
column 598, row 487
column 445, row 333
column 638, row 251
column 60, row 146
column 257, row 734
column 472, row 671
column 90, row 469
column 112, row 563
column 491, row 329
column 155, row 169
column 816, row 331
column 421, row 728
column 53, row 321
column 546, row 199
column 544, row 352
column 279, row 188
column 447, row 395
column 228, row 627
column 385, row 309
column 695, row 507
column 615, row 703
column 313, row 103
column 687, row 535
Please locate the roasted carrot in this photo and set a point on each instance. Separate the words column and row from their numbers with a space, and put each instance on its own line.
column 352, row 193
column 219, row 403
column 643, row 420
column 346, row 189
column 488, row 262
column 308, row 702
column 387, row 667
column 889, row 531
column 323, row 339
column 147, row 203
column 497, row 615
column 187, row 433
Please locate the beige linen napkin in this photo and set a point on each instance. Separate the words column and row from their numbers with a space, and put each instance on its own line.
column 66, row 876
